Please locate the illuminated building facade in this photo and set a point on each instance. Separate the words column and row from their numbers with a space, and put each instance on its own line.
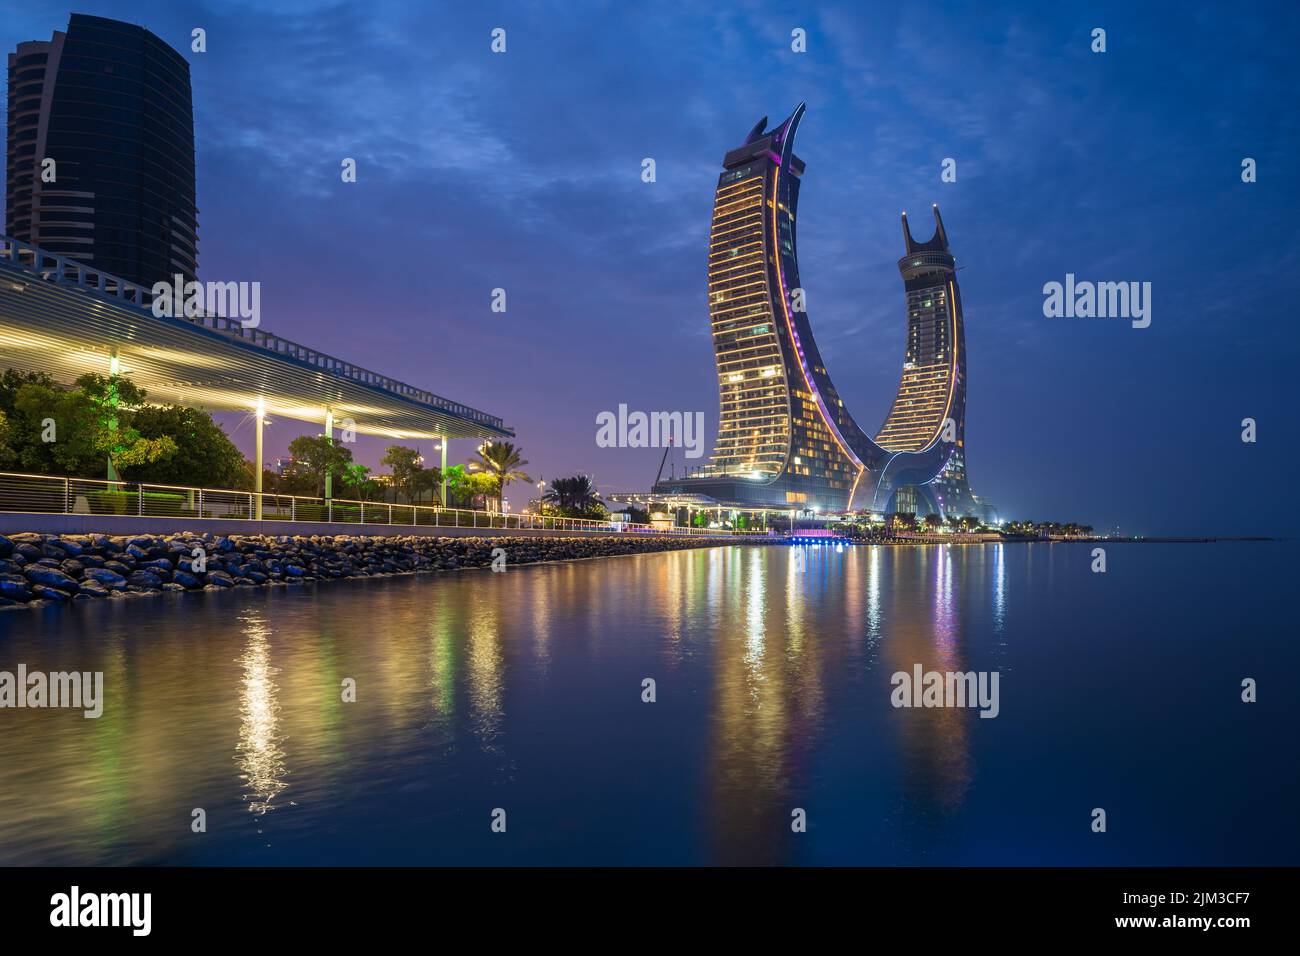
column 929, row 409
column 110, row 105
column 785, row 438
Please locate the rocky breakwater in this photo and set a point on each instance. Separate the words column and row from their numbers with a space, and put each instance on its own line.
column 39, row 569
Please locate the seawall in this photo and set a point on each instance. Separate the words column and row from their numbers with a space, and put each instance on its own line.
column 37, row 569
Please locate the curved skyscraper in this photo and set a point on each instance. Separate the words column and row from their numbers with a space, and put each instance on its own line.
column 110, row 104
column 785, row 437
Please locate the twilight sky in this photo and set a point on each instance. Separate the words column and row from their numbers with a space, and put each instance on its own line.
column 522, row 171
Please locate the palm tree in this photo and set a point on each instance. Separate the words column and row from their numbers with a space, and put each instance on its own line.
column 574, row 494
column 501, row 460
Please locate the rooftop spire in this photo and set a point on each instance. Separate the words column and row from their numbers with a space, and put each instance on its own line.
column 936, row 243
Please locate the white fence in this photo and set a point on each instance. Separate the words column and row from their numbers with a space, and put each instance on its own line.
column 45, row 494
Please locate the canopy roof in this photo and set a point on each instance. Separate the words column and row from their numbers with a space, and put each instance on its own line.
column 60, row 317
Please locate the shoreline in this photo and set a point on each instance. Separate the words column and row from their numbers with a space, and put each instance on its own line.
column 39, row 570
column 43, row 569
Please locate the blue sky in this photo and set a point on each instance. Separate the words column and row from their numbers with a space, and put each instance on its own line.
column 522, row 171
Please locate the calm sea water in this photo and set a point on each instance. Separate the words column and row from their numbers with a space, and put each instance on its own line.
column 522, row 691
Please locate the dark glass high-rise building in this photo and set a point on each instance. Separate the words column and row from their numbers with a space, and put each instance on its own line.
column 110, row 104
column 785, row 437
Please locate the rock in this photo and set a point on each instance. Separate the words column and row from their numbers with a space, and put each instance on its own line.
column 29, row 552
column 105, row 577
column 38, row 569
column 40, row 576
column 15, row 587
column 145, row 579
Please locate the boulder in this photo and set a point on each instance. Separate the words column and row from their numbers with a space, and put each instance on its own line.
column 15, row 587
column 105, row 577
column 145, row 579
column 40, row 576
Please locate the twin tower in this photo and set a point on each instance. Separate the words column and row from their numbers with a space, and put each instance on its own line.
column 785, row 438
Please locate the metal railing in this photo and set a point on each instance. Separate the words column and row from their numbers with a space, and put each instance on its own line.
column 65, row 271
column 47, row 494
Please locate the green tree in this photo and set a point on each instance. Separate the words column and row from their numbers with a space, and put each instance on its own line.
column 86, row 425
column 903, row 521
column 455, row 477
column 205, row 456
column 12, row 381
column 426, row 480
column 116, row 400
column 501, row 460
column 575, row 497
column 357, row 483
column 315, row 456
column 933, row 522
column 7, row 454
column 405, row 466
column 44, row 411
column 637, row 515
column 476, row 488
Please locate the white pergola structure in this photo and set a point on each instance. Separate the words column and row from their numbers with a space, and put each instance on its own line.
column 65, row 319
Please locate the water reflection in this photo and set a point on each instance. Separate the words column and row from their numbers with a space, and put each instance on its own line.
column 259, row 755
column 522, row 690
column 484, row 674
column 999, row 588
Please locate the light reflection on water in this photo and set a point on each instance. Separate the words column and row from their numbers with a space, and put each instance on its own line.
column 258, row 753
column 523, row 690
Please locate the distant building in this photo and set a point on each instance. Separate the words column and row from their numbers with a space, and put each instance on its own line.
column 785, row 437
column 110, row 104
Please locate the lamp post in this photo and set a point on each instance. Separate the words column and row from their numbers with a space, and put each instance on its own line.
column 442, row 447
column 260, row 414
column 329, row 438
column 114, row 367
